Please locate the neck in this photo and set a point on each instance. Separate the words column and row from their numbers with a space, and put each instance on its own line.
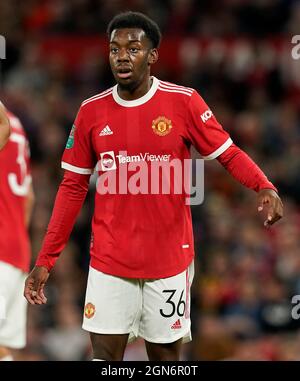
column 137, row 90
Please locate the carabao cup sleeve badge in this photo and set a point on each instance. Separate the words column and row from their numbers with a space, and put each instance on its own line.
column 70, row 141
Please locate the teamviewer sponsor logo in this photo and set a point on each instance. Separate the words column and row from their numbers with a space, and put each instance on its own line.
column 152, row 174
column 107, row 161
column 206, row 115
column 2, row 307
column 146, row 157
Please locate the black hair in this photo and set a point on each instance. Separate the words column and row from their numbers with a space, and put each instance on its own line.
column 136, row 20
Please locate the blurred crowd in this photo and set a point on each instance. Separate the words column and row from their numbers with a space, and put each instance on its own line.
column 237, row 54
column 181, row 17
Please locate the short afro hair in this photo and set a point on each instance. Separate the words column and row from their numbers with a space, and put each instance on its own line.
column 136, row 20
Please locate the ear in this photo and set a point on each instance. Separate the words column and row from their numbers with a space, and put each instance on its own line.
column 153, row 56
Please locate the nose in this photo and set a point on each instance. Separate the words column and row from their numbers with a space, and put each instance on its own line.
column 123, row 55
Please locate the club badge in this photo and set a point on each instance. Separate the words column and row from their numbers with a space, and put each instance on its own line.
column 161, row 126
column 89, row 310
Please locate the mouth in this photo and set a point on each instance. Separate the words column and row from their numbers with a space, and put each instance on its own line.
column 124, row 73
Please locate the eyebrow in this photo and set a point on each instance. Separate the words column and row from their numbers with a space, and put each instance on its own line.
column 130, row 42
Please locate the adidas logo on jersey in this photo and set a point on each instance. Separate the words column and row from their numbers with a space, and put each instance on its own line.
column 106, row 131
column 176, row 325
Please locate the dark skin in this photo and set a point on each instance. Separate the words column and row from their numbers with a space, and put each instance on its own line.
column 131, row 56
column 269, row 199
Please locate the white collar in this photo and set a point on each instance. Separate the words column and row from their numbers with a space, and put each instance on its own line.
column 136, row 102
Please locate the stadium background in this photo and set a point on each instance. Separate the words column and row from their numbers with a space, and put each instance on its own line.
column 237, row 54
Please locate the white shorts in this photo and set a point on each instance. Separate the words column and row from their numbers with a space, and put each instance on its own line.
column 157, row 310
column 13, row 307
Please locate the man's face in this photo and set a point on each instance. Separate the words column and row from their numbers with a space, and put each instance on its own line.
column 130, row 56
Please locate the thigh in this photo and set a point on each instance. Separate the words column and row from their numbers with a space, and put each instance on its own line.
column 166, row 309
column 164, row 352
column 108, row 347
column 112, row 304
column 14, row 307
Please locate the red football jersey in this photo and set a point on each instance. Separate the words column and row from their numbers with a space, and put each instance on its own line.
column 136, row 234
column 15, row 180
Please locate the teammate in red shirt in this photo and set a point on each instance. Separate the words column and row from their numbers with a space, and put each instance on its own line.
column 16, row 200
column 4, row 127
column 142, row 251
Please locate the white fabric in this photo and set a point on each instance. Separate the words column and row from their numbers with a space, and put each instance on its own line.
column 136, row 102
column 219, row 151
column 122, row 305
column 13, row 321
column 72, row 168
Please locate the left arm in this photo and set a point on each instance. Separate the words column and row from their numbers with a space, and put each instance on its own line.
column 212, row 141
column 244, row 170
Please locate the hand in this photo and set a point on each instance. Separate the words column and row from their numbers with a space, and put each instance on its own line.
column 275, row 208
column 34, row 285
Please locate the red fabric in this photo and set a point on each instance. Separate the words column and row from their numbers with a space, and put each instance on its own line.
column 143, row 234
column 244, row 170
column 204, row 131
column 15, row 180
column 69, row 200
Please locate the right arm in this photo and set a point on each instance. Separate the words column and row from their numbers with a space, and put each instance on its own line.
column 69, row 200
column 4, row 127
column 79, row 161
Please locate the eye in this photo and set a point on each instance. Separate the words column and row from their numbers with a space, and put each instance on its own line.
column 134, row 50
column 114, row 50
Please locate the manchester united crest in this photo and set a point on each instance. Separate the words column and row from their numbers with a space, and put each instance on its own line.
column 161, row 126
column 89, row 310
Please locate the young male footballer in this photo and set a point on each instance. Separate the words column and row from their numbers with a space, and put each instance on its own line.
column 142, row 250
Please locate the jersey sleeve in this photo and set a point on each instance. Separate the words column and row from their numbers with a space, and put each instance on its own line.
column 204, row 131
column 78, row 156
